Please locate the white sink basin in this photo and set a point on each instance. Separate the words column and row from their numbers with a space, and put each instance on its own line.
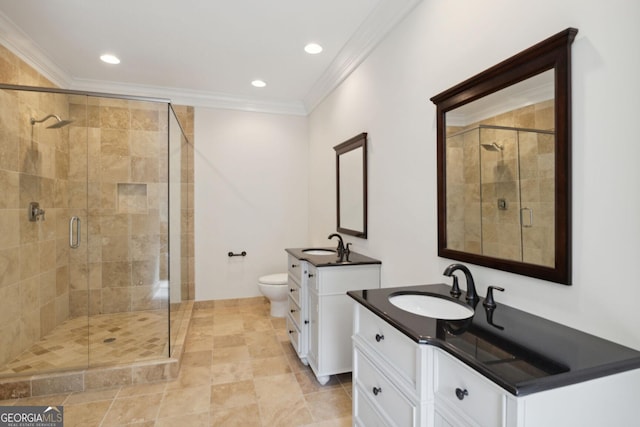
column 431, row 306
column 319, row 251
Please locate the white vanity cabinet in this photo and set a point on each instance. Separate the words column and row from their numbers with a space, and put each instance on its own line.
column 398, row 382
column 402, row 383
column 330, row 314
column 320, row 312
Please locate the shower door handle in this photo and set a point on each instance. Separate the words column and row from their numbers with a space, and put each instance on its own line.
column 74, row 238
column 530, row 217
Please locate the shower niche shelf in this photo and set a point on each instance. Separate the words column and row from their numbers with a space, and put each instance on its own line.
column 132, row 198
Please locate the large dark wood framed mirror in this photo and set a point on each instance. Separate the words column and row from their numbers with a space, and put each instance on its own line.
column 351, row 186
column 504, row 164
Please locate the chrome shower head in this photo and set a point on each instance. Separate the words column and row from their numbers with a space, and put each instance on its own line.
column 58, row 124
column 492, row 147
column 61, row 123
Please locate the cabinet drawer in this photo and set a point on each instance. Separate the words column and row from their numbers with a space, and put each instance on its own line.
column 391, row 345
column 364, row 414
column 294, row 334
column 295, row 312
column 379, row 390
column 483, row 403
column 312, row 277
column 295, row 268
column 294, row 290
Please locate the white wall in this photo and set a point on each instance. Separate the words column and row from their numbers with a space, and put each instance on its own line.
column 250, row 194
column 442, row 43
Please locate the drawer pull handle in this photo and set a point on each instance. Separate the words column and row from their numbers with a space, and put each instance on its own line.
column 379, row 337
column 291, row 332
column 306, row 322
column 377, row 390
column 293, row 311
column 461, row 393
column 310, row 275
column 294, row 265
column 292, row 290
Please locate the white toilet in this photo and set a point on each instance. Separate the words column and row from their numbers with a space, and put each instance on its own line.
column 274, row 287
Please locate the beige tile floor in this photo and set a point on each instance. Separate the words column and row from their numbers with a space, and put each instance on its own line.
column 112, row 339
column 238, row 370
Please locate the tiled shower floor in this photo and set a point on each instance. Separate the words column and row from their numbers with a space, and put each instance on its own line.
column 112, row 339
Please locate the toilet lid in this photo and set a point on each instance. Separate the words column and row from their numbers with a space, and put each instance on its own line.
column 274, row 279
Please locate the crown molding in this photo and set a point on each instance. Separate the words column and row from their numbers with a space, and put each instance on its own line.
column 386, row 15
column 374, row 28
column 192, row 97
column 21, row 45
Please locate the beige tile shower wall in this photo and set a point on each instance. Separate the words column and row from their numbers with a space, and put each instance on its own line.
column 123, row 266
column 15, row 71
column 186, row 119
column 463, row 193
column 537, row 181
column 34, row 167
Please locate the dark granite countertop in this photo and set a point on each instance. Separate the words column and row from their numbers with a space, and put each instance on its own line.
column 521, row 352
column 354, row 258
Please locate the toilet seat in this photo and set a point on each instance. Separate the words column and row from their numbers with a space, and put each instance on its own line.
column 274, row 279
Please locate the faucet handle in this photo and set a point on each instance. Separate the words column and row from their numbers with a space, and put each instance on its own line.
column 455, row 287
column 489, row 302
column 347, row 251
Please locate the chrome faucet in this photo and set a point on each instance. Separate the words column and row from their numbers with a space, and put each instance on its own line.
column 472, row 296
column 341, row 248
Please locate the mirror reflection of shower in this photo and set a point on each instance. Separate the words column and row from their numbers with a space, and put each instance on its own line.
column 58, row 124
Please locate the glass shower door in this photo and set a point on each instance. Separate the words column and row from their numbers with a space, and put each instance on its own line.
column 73, row 232
column 500, row 193
column 537, row 183
column 43, row 179
column 128, row 227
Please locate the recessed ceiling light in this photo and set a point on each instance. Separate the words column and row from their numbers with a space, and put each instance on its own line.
column 313, row 48
column 258, row 83
column 110, row 59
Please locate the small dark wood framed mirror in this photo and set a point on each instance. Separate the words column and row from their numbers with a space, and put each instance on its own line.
column 351, row 186
column 504, row 164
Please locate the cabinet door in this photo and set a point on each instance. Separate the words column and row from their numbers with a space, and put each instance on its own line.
column 314, row 327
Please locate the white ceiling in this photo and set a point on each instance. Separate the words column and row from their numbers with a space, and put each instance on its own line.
column 200, row 52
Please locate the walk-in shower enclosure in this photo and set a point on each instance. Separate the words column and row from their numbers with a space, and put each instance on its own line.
column 89, row 229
